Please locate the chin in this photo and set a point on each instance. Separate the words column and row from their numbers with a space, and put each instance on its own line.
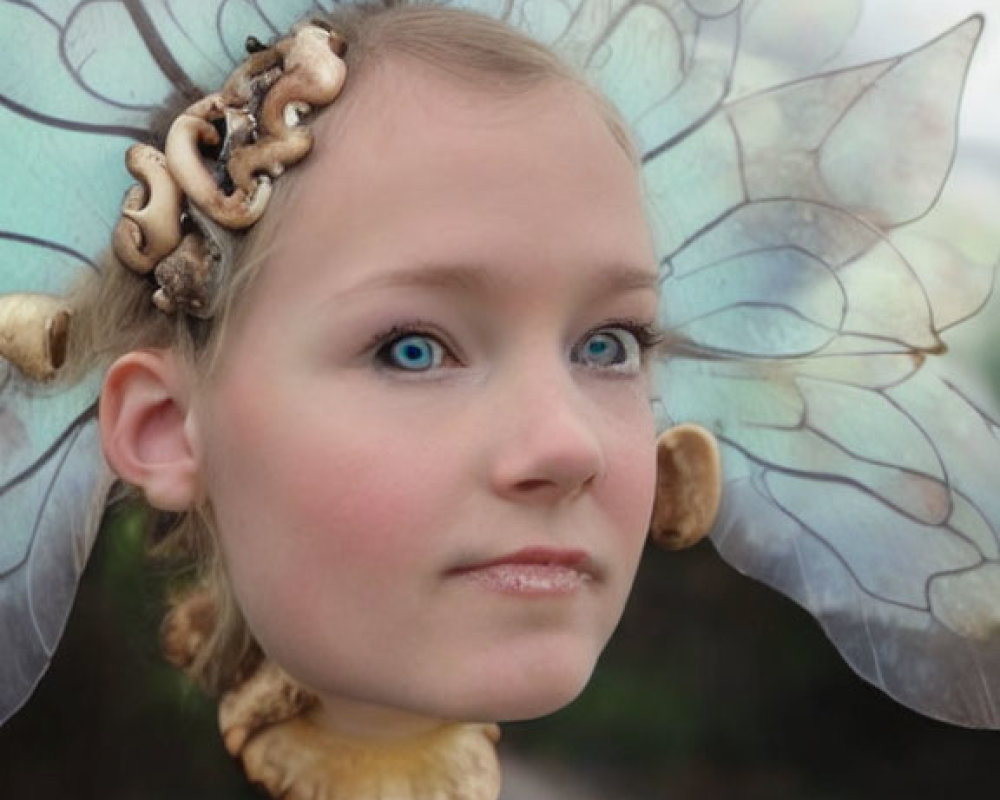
column 541, row 701
column 527, row 688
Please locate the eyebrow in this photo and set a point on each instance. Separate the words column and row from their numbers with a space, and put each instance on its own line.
column 477, row 277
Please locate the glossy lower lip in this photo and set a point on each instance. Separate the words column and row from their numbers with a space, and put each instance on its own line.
column 535, row 571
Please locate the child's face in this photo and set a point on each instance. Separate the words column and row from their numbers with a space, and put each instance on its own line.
column 435, row 372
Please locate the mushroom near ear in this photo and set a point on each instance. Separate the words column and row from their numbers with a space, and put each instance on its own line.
column 34, row 330
column 688, row 486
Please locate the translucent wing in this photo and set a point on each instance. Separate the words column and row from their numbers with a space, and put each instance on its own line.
column 78, row 83
column 809, row 291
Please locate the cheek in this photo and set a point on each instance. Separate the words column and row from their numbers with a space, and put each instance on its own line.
column 305, row 499
column 630, row 502
column 635, row 488
column 631, row 465
column 358, row 502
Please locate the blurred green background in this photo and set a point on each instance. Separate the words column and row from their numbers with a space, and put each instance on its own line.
column 714, row 687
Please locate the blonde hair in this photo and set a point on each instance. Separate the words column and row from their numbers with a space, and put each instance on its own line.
column 114, row 313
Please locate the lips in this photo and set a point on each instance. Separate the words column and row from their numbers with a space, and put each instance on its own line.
column 533, row 571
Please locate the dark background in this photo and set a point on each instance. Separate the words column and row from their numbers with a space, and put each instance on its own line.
column 714, row 687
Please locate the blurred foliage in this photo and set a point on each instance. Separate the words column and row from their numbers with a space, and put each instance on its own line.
column 714, row 687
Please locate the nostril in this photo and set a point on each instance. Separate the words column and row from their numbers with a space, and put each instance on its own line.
column 533, row 484
column 536, row 485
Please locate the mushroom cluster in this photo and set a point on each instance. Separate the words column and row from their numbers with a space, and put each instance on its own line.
column 221, row 156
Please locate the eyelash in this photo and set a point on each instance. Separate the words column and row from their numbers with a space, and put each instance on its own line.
column 647, row 336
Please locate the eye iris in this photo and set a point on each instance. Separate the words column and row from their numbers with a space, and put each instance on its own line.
column 602, row 348
column 413, row 352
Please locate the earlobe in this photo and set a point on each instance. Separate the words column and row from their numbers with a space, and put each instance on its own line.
column 688, row 486
column 145, row 430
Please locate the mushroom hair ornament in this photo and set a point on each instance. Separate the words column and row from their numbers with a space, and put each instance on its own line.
column 827, row 244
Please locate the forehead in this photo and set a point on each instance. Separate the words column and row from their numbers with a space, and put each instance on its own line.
column 395, row 83
column 400, row 104
column 417, row 161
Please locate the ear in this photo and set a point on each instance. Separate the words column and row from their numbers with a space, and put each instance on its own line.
column 688, row 486
column 145, row 428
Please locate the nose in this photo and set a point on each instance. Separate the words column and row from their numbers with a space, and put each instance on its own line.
column 549, row 444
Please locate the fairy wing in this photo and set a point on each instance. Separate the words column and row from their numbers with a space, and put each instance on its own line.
column 79, row 82
column 810, row 272
column 857, row 454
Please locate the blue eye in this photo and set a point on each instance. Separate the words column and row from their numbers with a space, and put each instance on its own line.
column 413, row 352
column 615, row 348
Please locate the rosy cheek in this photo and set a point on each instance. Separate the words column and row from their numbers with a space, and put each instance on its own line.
column 359, row 501
column 631, row 490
